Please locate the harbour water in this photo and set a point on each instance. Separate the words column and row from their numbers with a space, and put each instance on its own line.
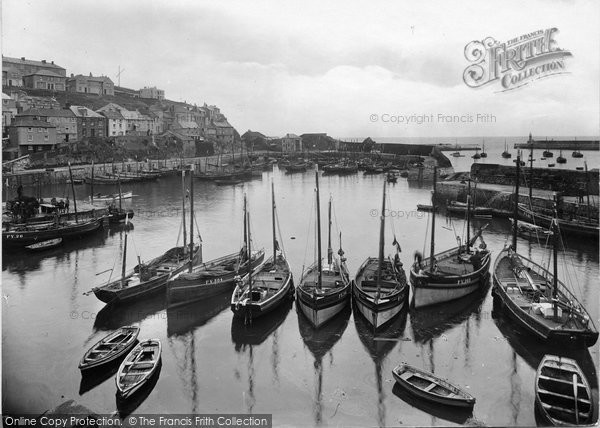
column 338, row 375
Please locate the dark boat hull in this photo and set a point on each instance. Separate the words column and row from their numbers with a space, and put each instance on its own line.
column 319, row 309
column 565, row 226
column 23, row 238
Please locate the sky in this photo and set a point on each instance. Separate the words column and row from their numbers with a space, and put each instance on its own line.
column 347, row 68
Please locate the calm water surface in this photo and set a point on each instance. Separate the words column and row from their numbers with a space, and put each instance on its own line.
column 338, row 375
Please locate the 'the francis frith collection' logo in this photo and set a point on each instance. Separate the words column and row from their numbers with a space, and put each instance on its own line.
column 516, row 62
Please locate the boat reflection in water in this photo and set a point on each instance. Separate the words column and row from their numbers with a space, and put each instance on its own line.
column 379, row 344
column 94, row 377
column 246, row 336
column 319, row 342
column 431, row 322
column 532, row 351
column 114, row 315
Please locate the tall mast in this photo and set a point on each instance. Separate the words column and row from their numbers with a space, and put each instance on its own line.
column 191, row 216
column 73, row 191
column 555, row 263
column 469, row 214
column 516, row 209
column 587, row 191
column 124, row 262
column 247, row 215
column 432, row 250
column 183, row 208
column 381, row 243
column 329, row 249
column 531, row 176
column 245, row 224
column 273, row 221
column 319, row 261
column 92, row 197
column 119, row 188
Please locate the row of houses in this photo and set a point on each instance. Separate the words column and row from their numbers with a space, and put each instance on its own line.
column 290, row 143
column 33, row 74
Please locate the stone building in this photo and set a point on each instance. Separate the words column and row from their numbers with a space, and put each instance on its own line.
column 100, row 85
column 64, row 121
column 13, row 69
column 44, row 79
column 291, row 143
column 32, row 135
column 90, row 124
column 153, row 93
column 9, row 111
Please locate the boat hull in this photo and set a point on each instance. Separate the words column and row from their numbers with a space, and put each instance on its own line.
column 320, row 309
column 434, row 289
column 28, row 237
column 567, row 227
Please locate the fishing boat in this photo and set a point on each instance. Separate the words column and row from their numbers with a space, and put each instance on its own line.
column 577, row 154
column 110, row 348
column 535, row 298
column 424, row 207
column 551, row 165
column 138, row 367
column 561, row 158
column 454, row 273
column 577, row 226
column 391, row 177
column 227, row 182
column 506, row 154
column 562, row 392
column 324, row 290
column 483, row 152
column 476, row 155
column 296, row 167
column 579, row 168
column 430, row 387
column 456, row 207
column 27, row 234
column 547, row 153
column 529, row 230
column 457, row 155
column 99, row 197
column 267, row 287
column 45, row 245
column 214, row 277
column 380, row 289
column 151, row 277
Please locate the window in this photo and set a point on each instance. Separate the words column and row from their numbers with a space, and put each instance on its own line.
column 45, row 138
column 40, row 129
column 46, row 130
column 30, row 138
column 29, row 129
column 30, row 148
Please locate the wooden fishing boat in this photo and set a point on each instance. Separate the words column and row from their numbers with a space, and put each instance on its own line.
column 138, row 367
column 380, row 289
column 534, row 297
column 268, row 287
column 428, row 386
column 551, row 165
column 483, row 152
column 562, row 392
column 45, row 245
column 476, row 155
column 451, row 274
column 561, row 158
column 506, row 154
column 152, row 277
column 213, row 277
column 425, row 207
column 111, row 197
column 580, row 226
column 324, row 290
column 457, row 155
column 548, row 154
column 456, row 207
column 577, row 154
column 531, row 230
column 110, row 348
column 227, row 182
column 296, row 167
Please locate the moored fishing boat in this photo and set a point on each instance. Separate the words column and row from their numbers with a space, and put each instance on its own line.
column 45, row 245
column 430, row 387
column 110, row 348
column 261, row 292
column 213, row 277
column 562, row 392
column 99, row 197
column 451, row 274
column 534, row 297
column 324, row 290
column 380, row 289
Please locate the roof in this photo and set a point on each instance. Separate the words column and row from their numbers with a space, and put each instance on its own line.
column 291, row 136
column 43, row 73
column 253, row 134
column 81, row 111
column 94, row 78
column 48, row 112
column 222, row 124
column 31, row 62
column 111, row 114
column 21, row 122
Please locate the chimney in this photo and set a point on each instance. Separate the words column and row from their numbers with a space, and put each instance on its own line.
column 91, row 74
column 52, row 62
column 22, row 58
column 43, row 61
column 72, row 75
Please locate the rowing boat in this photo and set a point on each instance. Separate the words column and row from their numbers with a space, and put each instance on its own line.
column 110, row 348
column 138, row 367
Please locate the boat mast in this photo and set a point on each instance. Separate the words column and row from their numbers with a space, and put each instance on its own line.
column 191, row 217
column 247, row 221
column 329, row 249
column 73, row 191
column 468, row 215
column 432, row 250
column 92, row 197
column 516, row 209
column 381, row 243
column 587, row 191
column 531, row 174
column 245, row 224
column 124, row 263
column 183, row 208
column 555, row 264
column 319, row 261
column 119, row 188
column 273, row 221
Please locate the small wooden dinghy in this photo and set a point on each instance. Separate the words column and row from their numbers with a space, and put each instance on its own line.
column 110, row 348
column 562, row 393
column 138, row 367
column 45, row 245
column 430, row 387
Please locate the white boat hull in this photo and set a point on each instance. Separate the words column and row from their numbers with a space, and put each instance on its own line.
column 321, row 316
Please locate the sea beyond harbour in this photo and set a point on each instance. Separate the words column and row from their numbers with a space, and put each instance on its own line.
column 340, row 375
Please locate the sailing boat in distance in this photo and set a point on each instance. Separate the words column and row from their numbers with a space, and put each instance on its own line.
column 380, row 289
column 483, row 152
column 506, row 154
column 324, row 290
column 535, row 298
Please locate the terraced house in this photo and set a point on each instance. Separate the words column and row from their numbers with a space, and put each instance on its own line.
column 44, row 79
column 90, row 125
column 30, row 135
column 91, row 84
column 63, row 120
column 15, row 69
